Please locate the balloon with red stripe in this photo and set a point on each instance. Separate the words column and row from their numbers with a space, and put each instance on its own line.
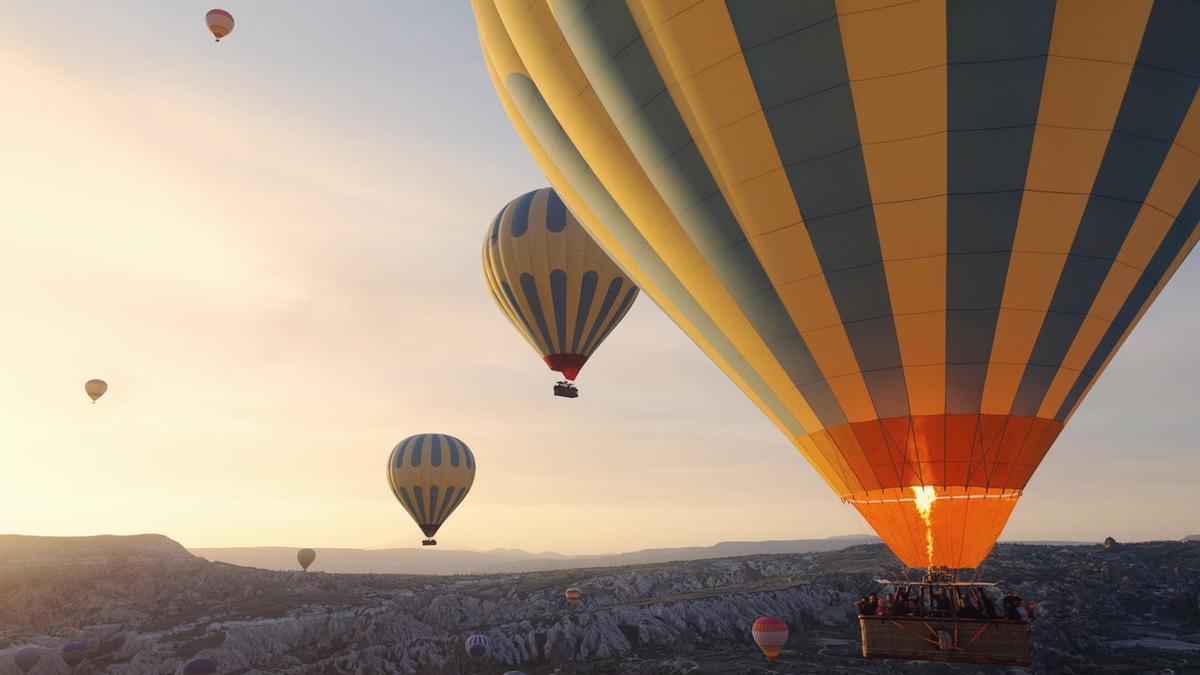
column 219, row 22
column 554, row 283
column 770, row 633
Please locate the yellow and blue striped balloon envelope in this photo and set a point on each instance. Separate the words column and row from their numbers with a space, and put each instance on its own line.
column 553, row 281
column 430, row 475
column 914, row 233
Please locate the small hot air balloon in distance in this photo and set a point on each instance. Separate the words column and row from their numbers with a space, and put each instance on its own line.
column 219, row 22
column 770, row 634
column 478, row 646
column 74, row 653
column 305, row 557
column 95, row 389
column 553, row 282
column 27, row 657
column 572, row 594
column 430, row 474
column 200, row 666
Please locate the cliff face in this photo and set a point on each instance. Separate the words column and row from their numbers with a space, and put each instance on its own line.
column 1132, row 605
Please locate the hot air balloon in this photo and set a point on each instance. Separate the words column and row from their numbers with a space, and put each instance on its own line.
column 478, row 646
column 430, row 474
column 770, row 634
column 219, row 22
column 553, row 282
column 74, row 653
column 914, row 235
column 27, row 657
column 572, row 594
column 200, row 666
column 305, row 557
column 95, row 389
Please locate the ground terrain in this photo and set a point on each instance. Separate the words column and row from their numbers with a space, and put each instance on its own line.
column 146, row 605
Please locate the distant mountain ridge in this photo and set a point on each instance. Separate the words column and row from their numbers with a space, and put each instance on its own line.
column 434, row 561
column 25, row 550
column 32, row 551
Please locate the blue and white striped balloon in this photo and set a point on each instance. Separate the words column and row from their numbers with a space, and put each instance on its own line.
column 478, row 646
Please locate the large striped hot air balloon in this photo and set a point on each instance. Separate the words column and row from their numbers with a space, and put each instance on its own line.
column 914, row 233
column 553, row 282
column 770, row 634
column 430, row 474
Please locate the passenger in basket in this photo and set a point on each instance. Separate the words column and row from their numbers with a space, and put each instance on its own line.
column 885, row 606
column 866, row 606
column 1012, row 607
column 941, row 603
column 966, row 610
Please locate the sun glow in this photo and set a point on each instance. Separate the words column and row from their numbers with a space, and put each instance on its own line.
column 923, row 497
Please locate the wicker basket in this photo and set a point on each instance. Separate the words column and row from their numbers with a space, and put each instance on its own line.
column 975, row 640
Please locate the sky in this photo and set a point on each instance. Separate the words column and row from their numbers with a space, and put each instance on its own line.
column 269, row 248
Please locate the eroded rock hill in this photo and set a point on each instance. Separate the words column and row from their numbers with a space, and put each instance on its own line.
column 1130, row 608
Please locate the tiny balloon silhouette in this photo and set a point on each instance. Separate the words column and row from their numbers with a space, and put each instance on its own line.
column 95, row 389
column 27, row 657
column 220, row 23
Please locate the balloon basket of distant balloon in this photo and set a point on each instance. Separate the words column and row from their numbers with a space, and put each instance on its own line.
column 429, row 542
column 565, row 389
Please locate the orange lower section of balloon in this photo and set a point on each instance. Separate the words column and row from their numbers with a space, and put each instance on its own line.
column 976, row 464
column 964, row 524
column 987, row 451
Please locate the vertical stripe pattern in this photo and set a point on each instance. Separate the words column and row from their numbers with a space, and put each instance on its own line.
column 914, row 232
column 430, row 474
column 553, row 282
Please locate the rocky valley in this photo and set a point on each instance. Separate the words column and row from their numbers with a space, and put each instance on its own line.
column 145, row 605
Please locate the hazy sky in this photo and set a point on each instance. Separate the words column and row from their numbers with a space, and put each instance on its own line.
column 269, row 247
